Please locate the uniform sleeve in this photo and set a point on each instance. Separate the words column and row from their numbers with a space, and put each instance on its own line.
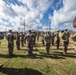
column 13, row 37
column 7, row 36
column 62, row 36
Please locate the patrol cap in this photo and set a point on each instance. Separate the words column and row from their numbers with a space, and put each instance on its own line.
column 65, row 29
column 30, row 31
column 10, row 30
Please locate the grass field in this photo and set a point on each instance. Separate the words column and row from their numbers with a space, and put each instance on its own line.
column 39, row 64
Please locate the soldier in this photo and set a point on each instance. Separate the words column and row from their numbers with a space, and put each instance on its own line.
column 1, row 64
column 18, row 41
column 22, row 39
column 52, row 38
column 0, row 39
column 58, row 39
column 0, row 36
column 47, row 42
column 38, row 35
column 10, row 39
column 34, row 40
column 43, row 38
column 25, row 38
column 65, row 37
column 30, row 42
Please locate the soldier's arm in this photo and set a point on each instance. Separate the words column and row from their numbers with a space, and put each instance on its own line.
column 69, row 34
column 62, row 36
column 14, row 37
column 7, row 36
column 26, row 37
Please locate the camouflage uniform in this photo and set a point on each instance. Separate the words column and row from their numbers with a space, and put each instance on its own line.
column 22, row 39
column 1, row 64
column 43, row 38
column 57, row 40
column 25, row 39
column 65, row 38
column 52, row 38
column 0, row 36
column 0, row 39
column 18, row 41
column 10, row 38
column 38, row 35
column 47, row 42
column 34, row 40
column 24, row 35
column 30, row 42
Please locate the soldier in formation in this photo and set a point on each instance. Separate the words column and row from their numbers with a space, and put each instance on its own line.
column 18, row 41
column 25, row 38
column 22, row 39
column 38, row 35
column 43, row 38
column 57, row 40
column 47, row 42
column 52, row 39
column 30, row 39
column 1, row 64
column 47, row 38
column 65, row 37
column 10, row 39
column 34, row 40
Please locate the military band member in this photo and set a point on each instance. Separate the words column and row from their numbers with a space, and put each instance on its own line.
column 18, row 41
column 30, row 39
column 47, row 42
column 25, row 38
column 22, row 39
column 57, row 39
column 34, row 40
column 38, row 35
column 43, row 38
column 65, row 37
column 10, row 39
column 52, row 39
column 1, row 64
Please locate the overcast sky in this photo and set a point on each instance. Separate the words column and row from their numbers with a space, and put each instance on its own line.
column 59, row 14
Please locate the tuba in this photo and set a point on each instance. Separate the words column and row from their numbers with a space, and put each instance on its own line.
column 74, row 22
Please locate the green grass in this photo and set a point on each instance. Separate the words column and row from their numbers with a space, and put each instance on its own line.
column 39, row 64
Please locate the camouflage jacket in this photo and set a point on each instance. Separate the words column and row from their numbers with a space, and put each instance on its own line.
column 65, row 37
column 10, row 38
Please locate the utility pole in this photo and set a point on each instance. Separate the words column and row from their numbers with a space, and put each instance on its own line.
column 24, row 25
column 18, row 29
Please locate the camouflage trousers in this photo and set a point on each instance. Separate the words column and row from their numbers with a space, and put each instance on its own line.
column 43, row 42
column 52, row 42
column 30, row 48
column 65, row 44
column 10, row 48
column 18, row 44
column 47, row 48
column 58, row 43
column 34, row 42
